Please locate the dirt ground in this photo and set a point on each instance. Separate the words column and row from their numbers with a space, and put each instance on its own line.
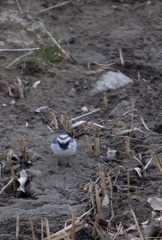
column 92, row 31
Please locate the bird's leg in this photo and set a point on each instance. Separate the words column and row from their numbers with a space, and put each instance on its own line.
column 68, row 164
column 59, row 162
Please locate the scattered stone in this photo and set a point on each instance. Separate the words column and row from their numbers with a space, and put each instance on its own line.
column 13, row 102
column 90, row 56
column 121, row 108
column 84, row 109
column 110, row 80
column 2, row 43
column 72, row 92
column 36, row 84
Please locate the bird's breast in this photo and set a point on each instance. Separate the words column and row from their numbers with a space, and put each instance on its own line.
column 64, row 146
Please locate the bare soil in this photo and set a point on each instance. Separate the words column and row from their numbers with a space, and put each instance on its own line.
column 93, row 31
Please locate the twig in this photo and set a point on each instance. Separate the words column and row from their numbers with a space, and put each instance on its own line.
column 63, row 233
column 135, row 158
column 118, row 136
column 50, row 128
column 55, row 6
column 101, row 65
column 145, row 126
column 98, row 125
column 67, row 230
column 137, row 225
column 145, row 168
column 131, row 133
column 27, row 9
column 118, row 232
column 17, row 59
column 77, row 124
column 18, row 5
column 143, row 123
column 18, row 49
column 86, row 114
column 3, row 188
column 94, row 72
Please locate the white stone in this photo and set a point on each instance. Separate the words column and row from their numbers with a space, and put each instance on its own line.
column 110, row 80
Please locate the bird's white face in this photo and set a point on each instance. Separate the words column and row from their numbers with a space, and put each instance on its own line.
column 63, row 139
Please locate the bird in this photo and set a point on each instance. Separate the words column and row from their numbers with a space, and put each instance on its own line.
column 64, row 146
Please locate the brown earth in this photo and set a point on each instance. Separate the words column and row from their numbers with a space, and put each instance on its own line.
column 92, row 31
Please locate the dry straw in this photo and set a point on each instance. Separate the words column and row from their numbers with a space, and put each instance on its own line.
column 98, row 202
column 54, row 120
column 42, row 227
column 91, row 193
column 32, row 228
column 22, row 144
column 54, row 6
column 89, row 144
column 47, row 229
column 97, row 146
column 137, row 196
column 102, row 177
column 11, row 167
column 121, row 57
column 128, row 181
column 132, row 121
column 157, row 161
column 127, row 140
column 110, row 185
column 73, row 223
column 104, row 102
column 95, row 225
column 137, row 225
column 17, row 225
column 8, row 184
column 66, row 122
column 67, row 231
column 86, row 114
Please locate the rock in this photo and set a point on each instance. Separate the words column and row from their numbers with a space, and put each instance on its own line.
column 110, row 80
column 90, row 56
column 120, row 108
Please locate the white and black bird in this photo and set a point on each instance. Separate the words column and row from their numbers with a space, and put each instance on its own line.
column 64, row 146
